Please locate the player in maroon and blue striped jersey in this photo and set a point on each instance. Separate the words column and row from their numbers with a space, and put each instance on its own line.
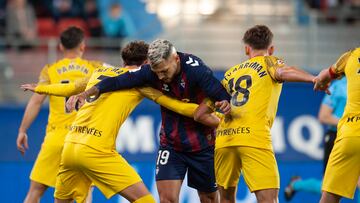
column 185, row 145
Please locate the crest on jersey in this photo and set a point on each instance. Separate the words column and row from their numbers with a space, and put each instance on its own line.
column 280, row 62
column 166, row 87
column 182, row 83
column 192, row 62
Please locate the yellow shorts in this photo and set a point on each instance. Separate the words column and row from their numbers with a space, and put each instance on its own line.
column 82, row 165
column 47, row 162
column 258, row 166
column 343, row 169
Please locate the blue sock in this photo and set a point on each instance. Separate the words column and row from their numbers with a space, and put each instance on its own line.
column 308, row 185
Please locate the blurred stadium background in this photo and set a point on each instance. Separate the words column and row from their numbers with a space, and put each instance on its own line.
column 310, row 34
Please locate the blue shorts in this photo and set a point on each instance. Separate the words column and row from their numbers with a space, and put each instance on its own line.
column 173, row 165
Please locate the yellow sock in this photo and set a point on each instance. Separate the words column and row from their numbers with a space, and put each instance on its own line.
column 146, row 199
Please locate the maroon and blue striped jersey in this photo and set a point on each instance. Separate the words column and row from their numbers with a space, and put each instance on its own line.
column 193, row 84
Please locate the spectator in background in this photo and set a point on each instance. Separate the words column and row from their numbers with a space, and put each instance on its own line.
column 2, row 18
column 67, row 9
column 91, row 16
column 20, row 23
column 117, row 23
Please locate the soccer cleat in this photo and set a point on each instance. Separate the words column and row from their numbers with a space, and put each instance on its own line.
column 289, row 190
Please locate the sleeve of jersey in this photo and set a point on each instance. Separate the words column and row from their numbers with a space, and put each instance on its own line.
column 272, row 64
column 63, row 90
column 340, row 64
column 209, row 84
column 128, row 80
column 44, row 77
column 182, row 108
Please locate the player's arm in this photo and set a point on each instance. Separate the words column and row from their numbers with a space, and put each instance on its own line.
column 293, row 74
column 212, row 87
column 61, row 89
column 183, row 108
column 281, row 72
column 205, row 114
column 128, row 80
column 328, row 104
column 325, row 115
column 337, row 70
column 32, row 110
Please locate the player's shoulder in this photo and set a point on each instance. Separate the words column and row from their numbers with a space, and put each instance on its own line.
column 270, row 60
column 95, row 63
column 190, row 60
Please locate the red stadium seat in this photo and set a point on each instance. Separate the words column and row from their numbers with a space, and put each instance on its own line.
column 67, row 22
column 46, row 27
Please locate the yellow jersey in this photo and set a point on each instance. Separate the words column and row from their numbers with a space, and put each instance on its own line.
column 63, row 71
column 255, row 94
column 97, row 122
column 349, row 64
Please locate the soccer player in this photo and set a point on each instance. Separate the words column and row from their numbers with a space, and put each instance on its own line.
column 243, row 140
column 100, row 163
column 343, row 168
column 331, row 110
column 70, row 68
column 185, row 145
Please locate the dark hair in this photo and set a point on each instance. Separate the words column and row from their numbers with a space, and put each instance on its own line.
column 135, row 53
column 258, row 37
column 71, row 37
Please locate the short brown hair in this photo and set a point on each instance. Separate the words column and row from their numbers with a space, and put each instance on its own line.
column 135, row 53
column 258, row 37
column 71, row 37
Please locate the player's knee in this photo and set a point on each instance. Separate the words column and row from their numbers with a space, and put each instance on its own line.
column 168, row 198
column 37, row 188
column 145, row 199
column 227, row 194
column 266, row 197
column 208, row 197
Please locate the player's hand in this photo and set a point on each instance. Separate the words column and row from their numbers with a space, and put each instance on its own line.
column 30, row 87
column 321, row 86
column 224, row 106
column 22, row 142
column 75, row 102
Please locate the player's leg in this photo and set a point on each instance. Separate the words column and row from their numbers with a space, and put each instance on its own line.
column 169, row 190
column 227, row 195
column 327, row 197
column 71, row 182
column 170, row 173
column 342, row 172
column 35, row 192
column 261, row 173
column 201, row 174
column 112, row 174
column 358, row 186
column 137, row 193
column 228, row 166
column 89, row 197
column 63, row 200
column 44, row 171
column 267, row 195
column 209, row 197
